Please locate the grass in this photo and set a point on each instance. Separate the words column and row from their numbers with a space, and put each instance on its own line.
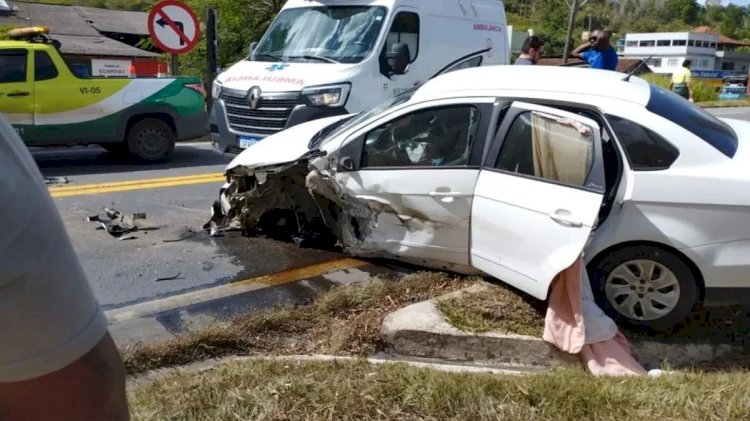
column 494, row 309
column 344, row 321
column 262, row 390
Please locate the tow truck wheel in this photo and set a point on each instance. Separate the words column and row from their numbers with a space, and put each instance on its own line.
column 150, row 140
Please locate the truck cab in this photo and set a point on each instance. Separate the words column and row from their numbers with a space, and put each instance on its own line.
column 49, row 104
column 326, row 58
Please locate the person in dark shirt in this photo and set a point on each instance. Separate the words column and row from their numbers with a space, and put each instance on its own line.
column 597, row 52
column 531, row 51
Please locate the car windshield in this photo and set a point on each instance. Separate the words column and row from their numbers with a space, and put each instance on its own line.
column 694, row 119
column 342, row 125
column 332, row 34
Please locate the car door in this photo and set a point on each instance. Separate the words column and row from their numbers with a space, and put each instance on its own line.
column 411, row 175
column 16, row 89
column 537, row 196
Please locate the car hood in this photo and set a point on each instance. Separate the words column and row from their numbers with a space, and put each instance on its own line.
column 284, row 77
column 283, row 147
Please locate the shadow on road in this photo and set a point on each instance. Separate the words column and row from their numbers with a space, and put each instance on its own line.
column 59, row 162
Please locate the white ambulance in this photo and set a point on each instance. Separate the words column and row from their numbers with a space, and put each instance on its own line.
column 331, row 57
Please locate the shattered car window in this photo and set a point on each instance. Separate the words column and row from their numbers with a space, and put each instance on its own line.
column 434, row 137
column 548, row 147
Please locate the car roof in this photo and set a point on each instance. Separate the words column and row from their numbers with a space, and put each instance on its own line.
column 512, row 80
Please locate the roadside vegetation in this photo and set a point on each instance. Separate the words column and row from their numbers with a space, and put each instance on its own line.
column 702, row 93
column 494, row 309
column 343, row 321
column 287, row 390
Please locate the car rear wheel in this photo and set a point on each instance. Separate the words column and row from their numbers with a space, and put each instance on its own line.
column 150, row 140
column 644, row 287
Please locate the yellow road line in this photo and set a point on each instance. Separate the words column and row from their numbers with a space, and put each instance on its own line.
column 151, row 183
column 236, row 288
column 293, row 275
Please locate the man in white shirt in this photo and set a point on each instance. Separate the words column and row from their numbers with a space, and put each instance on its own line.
column 57, row 359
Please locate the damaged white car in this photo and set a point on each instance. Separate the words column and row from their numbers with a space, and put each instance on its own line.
column 514, row 171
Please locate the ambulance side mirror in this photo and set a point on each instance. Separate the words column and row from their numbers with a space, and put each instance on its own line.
column 399, row 59
column 252, row 47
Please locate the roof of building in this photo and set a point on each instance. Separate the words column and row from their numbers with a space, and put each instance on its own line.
column 723, row 39
column 77, row 35
column 511, row 80
column 99, row 46
column 115, row 21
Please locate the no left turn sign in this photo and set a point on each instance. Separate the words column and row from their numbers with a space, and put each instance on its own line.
column 173, row 27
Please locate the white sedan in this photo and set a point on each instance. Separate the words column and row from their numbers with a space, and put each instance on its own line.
column 514, row 171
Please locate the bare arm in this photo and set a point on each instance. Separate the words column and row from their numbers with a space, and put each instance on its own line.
column 91, row 388
column 580, row 49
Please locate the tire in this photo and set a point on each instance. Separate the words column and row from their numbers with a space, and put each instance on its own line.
column 621, row 289
column 150, row 140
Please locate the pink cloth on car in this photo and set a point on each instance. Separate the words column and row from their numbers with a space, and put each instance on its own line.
column 576, row 325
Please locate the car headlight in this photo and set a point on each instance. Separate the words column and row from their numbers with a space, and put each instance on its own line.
column 327, row 96
column 215, row 89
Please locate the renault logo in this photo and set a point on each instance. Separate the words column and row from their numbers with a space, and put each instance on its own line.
column 253, row 98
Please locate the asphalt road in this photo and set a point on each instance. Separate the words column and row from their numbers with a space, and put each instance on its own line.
column 739, row 113
column 124, row 273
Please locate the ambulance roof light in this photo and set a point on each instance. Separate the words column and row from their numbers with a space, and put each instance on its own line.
column 30, row 32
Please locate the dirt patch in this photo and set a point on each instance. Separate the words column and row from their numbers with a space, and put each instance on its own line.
column 495, row 308
column 344, row 321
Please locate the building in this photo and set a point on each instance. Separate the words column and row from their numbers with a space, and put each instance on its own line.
column 97, row 42
column 707, row 50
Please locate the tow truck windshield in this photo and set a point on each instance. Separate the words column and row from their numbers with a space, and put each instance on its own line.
column 325, row 34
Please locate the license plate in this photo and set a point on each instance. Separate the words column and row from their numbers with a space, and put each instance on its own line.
column 248, row 141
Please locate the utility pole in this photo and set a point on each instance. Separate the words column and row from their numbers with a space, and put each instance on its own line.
column 575, row 6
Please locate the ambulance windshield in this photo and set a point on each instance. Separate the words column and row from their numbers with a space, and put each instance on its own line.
column 329, row 34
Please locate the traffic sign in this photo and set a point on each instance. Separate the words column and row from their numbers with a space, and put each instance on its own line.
column 174, row 27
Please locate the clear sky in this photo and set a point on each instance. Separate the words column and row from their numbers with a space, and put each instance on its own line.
column 737, row 2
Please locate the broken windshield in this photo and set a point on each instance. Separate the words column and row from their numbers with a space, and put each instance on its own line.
column 326, row 34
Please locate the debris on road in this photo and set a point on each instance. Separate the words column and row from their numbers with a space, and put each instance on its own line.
column 56, row 180
column 169, row 278
column 118, row 224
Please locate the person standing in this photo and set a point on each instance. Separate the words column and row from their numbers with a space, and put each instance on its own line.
column 598, row 53
column 531, row 51
column 682, row 81
column 57, row 359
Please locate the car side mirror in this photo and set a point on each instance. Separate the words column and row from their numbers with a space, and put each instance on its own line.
column 347, row 163
column 350, row 155
column 252, row 47
column 399, row 58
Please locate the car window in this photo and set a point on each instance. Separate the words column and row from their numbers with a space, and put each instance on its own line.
column 441, row 136
column 645, row 149
column 44, row 68
column 547, row 147
column 12, row 66
column 694, row 119
column 472, row 62
column 404, row 30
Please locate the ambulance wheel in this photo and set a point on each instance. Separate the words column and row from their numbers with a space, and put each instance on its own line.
column 150, row 140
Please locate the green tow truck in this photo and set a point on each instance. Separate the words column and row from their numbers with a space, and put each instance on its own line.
column 49, row 105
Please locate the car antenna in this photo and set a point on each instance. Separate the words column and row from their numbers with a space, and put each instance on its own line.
column 637, row 68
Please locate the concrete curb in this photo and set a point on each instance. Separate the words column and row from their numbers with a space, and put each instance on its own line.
column 420, row 330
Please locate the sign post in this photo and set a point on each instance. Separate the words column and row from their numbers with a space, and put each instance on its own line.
column 174, row 28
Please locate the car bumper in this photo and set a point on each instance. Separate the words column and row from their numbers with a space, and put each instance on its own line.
column 192, row 126
column 224, row 138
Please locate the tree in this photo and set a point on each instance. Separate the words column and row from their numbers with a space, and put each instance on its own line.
column 574, row 6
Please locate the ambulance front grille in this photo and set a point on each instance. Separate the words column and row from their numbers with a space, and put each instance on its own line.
column 270, row 117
